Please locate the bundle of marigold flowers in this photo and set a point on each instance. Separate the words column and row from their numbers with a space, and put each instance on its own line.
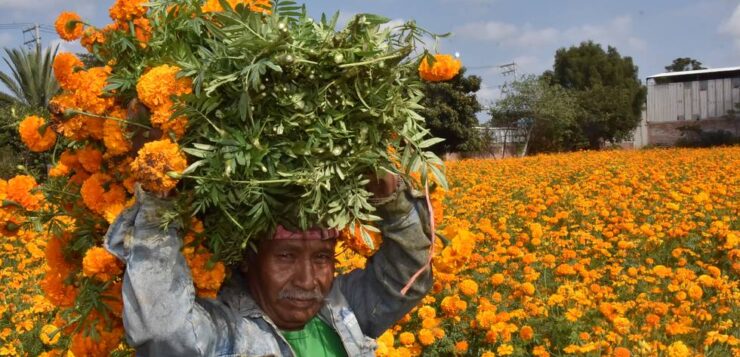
column 248, row 112
column 269, row 117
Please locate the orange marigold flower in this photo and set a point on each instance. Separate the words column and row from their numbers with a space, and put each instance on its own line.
column 90, row 37
column 154, row 161
column 50, row 334
column 56, row 290
column 254, row 5
column 31, row 135
column 468, row 287
column 90, row 158
column 505, row 350
column 64, row 67
column 89, row 97
column 678, row 349
column 526, row 333
column 527, row 288
column 69, row 26
column 125, row 10
column 621, row 352
column 444, row 68
column 100, row 264
column 695, row 292
column 622, row 325
column 426, row 312
column 204, row 278
column 87, row 345
column 426, row 337
column 143, row 31
column 95, row 195
column 54, row 254
column 156, row 86
column 19, row 190
column 115, row 139
column 406, row 338
column 540, row 351
column 461, row 347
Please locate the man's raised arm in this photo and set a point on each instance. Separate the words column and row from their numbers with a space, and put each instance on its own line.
column 374, row 293
column 161, row 315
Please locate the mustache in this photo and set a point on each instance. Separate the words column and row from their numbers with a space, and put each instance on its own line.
column 300, row 294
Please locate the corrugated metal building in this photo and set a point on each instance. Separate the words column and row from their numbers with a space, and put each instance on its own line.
column 674, row 99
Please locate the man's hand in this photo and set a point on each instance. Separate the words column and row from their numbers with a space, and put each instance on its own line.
column 382, row 187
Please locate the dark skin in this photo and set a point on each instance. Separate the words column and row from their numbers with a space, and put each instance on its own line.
column 290, row 278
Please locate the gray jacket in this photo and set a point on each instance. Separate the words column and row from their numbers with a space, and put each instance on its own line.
column 163, row 317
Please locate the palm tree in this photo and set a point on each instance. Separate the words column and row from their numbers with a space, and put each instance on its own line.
column 32, row 83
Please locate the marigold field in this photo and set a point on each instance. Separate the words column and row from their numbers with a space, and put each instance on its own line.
column 614, row 253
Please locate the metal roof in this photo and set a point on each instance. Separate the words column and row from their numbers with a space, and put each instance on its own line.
column 699, row 72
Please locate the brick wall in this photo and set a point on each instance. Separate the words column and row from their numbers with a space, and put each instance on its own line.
column 666, row 133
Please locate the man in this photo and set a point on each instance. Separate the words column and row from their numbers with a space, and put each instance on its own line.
column 286, row 302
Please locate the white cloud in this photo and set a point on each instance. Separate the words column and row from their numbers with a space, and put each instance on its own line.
column 731, row 27
column 531, row 37
column 617, row 32
column 487, row 95
column 487, row 31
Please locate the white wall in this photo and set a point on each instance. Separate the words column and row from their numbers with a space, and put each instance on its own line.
column 689, row 100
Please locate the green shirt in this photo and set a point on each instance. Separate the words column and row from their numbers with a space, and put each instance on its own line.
column 316, row 339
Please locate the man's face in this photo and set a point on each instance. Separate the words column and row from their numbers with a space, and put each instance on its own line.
column 290, row 278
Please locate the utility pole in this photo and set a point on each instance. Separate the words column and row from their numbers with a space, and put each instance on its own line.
column 35, row 33
column 508, row 69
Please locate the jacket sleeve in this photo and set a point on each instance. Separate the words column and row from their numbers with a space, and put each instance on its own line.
column 161, row 314
column 374, row 293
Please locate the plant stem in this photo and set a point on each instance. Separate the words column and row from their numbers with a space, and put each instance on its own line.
column 251, row 182
column 346, row 65
column 110, row 118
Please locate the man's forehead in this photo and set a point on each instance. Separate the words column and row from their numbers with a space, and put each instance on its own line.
column 300, row 244
column 282, row 233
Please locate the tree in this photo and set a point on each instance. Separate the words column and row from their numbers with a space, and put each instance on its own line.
column 684, row 64
column 546, row 111
column 610, row 95
column 450, row 109
column 32, row 81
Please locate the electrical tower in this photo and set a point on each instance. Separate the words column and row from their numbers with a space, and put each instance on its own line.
column 35, row 31
column 508, row 69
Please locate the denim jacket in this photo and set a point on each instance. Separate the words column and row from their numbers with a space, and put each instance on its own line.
column 163, row 317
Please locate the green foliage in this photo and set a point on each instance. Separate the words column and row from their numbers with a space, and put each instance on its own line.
column 684, row 64
column 550, row 109
column 610, row 95
column 31, row 81
column 449, row 111
column 287, row 115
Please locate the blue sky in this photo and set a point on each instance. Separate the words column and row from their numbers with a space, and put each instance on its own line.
column 488, row 33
